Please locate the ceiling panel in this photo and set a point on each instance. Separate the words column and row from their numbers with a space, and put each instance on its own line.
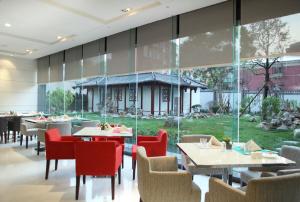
column 37, row 23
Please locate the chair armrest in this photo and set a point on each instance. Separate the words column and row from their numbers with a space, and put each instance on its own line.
column 288, row 171
column 152, row 148
column 163, row 163
column 146, row 138
column 41, row 134
column 219, row 191
column 268, row 174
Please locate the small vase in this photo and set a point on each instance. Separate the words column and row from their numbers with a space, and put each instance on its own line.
column 228, row 146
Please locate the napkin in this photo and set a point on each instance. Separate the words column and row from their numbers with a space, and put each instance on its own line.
column 252, row 146
column 214, row 141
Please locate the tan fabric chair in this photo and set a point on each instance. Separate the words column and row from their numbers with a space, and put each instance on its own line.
column 289, row 152
column 270, row 189
column 160, row 181
column 189, row 166
column 27, row 132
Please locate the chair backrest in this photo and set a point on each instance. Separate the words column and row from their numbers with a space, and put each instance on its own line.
column 95, row 158
column 14, row 123
column 64, row 127
column 3, row 124
column 52, row 135
column 88, row 123
column 194, row 138
column 23, row 128
column 163, row 138
column 292, row 153
column 143, row 171
column 276, row 189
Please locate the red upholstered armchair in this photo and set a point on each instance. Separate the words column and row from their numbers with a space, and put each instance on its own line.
column 98, row 159
column 154, row 146
column 58, row 147
column 117, row 139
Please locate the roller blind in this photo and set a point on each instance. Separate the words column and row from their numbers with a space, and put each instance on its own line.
column 155, row 49
column 73, row 63
column 206, row 36
column 120, row 53
column 258, row 10
column 43, row 70
column 92, row 55
column 56, row 67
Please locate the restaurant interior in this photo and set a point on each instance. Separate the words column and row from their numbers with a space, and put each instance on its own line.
column 150, row 100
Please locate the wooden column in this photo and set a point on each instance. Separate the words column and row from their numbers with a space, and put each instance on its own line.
column 181, row 101
column 190, row 100
column 93, row 99
column 159, row 98
column 168, row 108
column 141, row 97
column 118, row 99
column 125, row 98
column 152, row 99
column 172, row 99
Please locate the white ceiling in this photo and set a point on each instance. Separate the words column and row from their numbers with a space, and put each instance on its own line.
column 35, row 24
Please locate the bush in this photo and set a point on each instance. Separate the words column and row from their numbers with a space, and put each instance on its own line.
column 270, row 106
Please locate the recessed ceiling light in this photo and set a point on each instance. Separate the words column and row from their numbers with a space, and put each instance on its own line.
column 132, row 13
column 28, row 51
column 125, row 10
column 7, row 25
column 59, row 37
column 63, row 39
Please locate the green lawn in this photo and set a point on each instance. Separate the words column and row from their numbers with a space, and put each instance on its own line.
column 218, row 126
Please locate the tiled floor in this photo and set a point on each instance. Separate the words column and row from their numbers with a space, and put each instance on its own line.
column 22, row 179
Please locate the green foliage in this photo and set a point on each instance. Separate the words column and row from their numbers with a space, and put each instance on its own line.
column 270, row 106
column 60, row 99
column 245, row 102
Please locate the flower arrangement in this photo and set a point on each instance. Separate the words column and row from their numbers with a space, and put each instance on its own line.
column 227, row 141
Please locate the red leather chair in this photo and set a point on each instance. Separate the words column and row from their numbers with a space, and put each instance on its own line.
column 117, row 139
column 58, row 147
column 98, row 159
column 154, row 146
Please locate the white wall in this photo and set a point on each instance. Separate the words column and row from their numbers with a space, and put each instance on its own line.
column 18, row 87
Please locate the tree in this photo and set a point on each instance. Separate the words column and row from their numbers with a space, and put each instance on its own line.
column 270, row 38
column 59, row 99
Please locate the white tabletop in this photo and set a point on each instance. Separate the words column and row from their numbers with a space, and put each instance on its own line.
column 216, row 157
column 96, row 131
column 49, row 120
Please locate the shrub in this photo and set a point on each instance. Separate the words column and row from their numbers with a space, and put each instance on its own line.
column 270, row 106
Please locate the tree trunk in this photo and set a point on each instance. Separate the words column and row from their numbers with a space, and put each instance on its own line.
column 266, row 87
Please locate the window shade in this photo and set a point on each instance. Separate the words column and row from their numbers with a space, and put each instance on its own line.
column 73, row 58
column 92, row 65
column 206, row 36
column 43, row 70
column 258, row 10
column 56, row 67
column 120, row 53
column 154, row 45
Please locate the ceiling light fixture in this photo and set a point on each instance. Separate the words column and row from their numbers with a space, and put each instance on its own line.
column 59, row 37
column 132, row 13
column 7, row 25
column 63, row 39
column 28, row 51
column 126, row 10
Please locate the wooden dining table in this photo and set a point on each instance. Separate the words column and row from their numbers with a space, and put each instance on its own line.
column 218, row 157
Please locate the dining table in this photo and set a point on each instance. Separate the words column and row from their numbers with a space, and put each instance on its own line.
column 209, row 156
column 98, row 132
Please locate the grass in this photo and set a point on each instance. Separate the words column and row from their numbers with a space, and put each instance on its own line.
column 218, row 126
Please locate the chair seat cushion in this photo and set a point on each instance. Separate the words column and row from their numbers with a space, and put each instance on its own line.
column 248, row 175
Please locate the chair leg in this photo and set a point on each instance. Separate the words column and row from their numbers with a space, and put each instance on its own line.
column 56, row 164
column 119, row 174
column 47, row 169
column 123, row 161
column 38, row 148
column 113, row 187
column 14, row 134
column 230, row 180
column 84, row 178
column 31, row 138
column 21, row 140
column 133, row 169
column 26, row 142
column 77, row 187
column 5, row 137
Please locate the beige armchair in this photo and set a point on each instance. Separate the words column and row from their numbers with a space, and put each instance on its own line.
column 160, row 181
column 27, row 132
column 289, row 152
column 190, row 167
column 271, row 189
